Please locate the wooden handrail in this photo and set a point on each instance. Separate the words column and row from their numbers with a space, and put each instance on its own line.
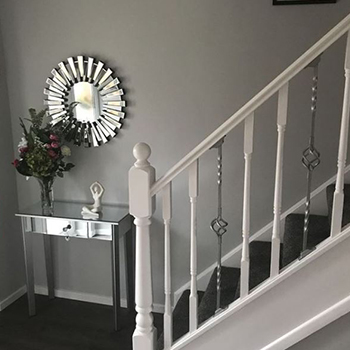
column 323, row 44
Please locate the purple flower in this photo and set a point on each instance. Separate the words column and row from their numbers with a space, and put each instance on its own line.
column 23, row 150
column 52, row 154
column 16, row 163
column 55, row 145
column 54, row 137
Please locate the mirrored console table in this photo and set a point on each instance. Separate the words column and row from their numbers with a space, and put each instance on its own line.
column 115, row 223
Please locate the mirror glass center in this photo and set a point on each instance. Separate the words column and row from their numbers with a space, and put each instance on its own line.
column 87, row 96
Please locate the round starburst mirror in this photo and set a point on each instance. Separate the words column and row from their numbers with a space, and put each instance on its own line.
column 83, row 98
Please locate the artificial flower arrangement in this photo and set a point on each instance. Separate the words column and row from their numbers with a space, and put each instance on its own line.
column 41, row 155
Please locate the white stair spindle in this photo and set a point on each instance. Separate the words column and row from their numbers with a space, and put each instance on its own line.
column 142, row 206
column 248, row 150
column 338, row 199
column 281, row 128
column 193, row 193
column 168, row 317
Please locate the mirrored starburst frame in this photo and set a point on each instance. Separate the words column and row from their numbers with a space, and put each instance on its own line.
column 110, row 116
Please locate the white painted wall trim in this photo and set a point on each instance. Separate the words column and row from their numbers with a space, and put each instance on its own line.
column 12, row 298
column 204, row 276
column 72, row 295
column 322, row 248
column 311, row 326
column 68, row 294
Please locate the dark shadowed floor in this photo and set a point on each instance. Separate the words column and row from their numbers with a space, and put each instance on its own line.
column 65, row 324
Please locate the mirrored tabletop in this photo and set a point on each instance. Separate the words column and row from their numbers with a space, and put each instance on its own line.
column 111, row 214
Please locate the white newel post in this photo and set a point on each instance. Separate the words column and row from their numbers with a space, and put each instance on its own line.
column 338, row 199
column 142, row 206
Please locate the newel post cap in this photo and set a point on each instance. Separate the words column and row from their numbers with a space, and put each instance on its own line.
column 142, row 151
column 141, row 178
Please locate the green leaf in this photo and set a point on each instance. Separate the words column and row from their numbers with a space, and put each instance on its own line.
column 32, row 113
column 69, row 166
column 21, row 123
column 23, row 169
column 37, row 118
column 42, row 134
column 30, row 139
column 41, row 114
column 60, row 174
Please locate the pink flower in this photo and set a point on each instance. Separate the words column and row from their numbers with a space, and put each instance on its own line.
column 48, row 145
column 52, row 154
column 16, row 163
column 23, row 150
column 54, row 137
column 55, row 145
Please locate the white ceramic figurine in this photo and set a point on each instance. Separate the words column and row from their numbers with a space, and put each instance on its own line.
column 94, row 210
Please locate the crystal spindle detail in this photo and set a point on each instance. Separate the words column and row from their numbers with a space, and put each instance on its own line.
column 218, row 225
column 311, row 156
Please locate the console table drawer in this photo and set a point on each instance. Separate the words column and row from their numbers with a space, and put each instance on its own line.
column 64, row 228
column 69, row 228
column 91, row 230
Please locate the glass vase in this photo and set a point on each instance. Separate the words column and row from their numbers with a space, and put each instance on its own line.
column 46, row 195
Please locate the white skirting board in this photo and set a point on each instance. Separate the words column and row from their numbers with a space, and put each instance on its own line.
column 311, row 326
column 67, row 294
column 12, row 298
column 233, row 258
column 87, row 297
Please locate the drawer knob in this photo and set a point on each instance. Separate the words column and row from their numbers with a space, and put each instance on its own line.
column 67, row 228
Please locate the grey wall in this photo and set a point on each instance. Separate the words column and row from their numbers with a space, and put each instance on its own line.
column 11, row 256
column 335, row 336
column 186, row 66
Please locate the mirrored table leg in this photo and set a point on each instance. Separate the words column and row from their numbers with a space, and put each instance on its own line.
column 129, row 254
column 49, row 266
column 115, row 276
column 28, row 259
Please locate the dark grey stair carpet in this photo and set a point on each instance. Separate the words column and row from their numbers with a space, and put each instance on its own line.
column 346, row 210
column 229, row 282
column 63, row 324
column 293, row 235
column 260, row 261
column 181, row 318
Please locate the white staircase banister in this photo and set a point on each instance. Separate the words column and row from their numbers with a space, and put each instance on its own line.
column 193, row 194
column 248, row 151
column 338, row 199
column 168, row 313
column 294, row 69
column 277, row 205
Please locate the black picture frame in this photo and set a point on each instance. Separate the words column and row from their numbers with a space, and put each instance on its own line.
column 302, row 2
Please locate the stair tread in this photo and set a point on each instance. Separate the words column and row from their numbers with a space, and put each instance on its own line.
column 260, row 263
column 180, row 317
column 293, row 235
column 229, row 282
